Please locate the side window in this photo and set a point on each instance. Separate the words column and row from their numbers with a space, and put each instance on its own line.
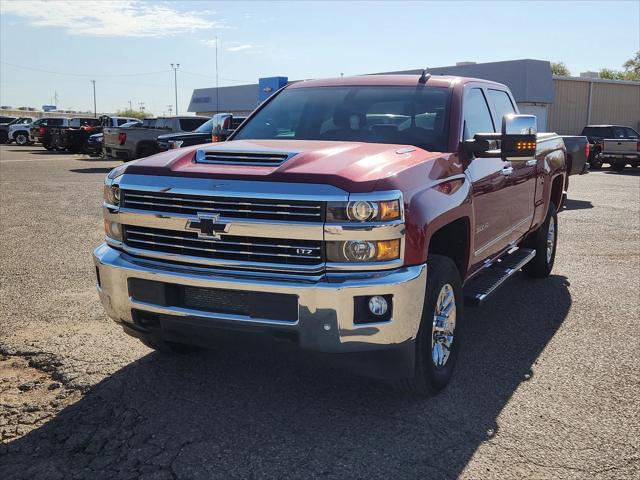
column 477, row 118
column 121, row 121
column 501, row 104
column 631, row 133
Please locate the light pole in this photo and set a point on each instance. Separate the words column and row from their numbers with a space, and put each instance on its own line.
column 95, row 111
column 175, row 82
column 130, row 108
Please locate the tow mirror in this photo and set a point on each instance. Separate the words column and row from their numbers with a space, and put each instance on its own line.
column 517, row 141
column 221, row 127
column 519, row 137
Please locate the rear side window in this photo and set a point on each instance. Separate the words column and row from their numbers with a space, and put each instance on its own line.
column 190, row 124
column 56, row 122
column 477, row 118
column 121, row 121
column 631, row 133
column 501, row 104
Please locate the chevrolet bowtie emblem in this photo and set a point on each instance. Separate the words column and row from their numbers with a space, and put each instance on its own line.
column 206, row 225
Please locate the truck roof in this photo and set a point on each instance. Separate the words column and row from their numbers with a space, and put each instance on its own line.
column 399, row 80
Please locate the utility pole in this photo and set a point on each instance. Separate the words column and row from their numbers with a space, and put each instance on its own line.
column 95, row 111
column 141, row 104
column 130, row 107
column 175, row 82
column 170, row 107
column 217, row 105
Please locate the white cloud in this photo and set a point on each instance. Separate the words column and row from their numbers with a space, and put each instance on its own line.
column 240, row 48
column 117, row 18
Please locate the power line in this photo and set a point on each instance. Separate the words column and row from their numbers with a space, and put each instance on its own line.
column 69, row 74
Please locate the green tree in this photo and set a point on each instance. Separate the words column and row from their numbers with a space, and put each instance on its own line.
column 632, row 66
column 133, row 114
column 559, row 68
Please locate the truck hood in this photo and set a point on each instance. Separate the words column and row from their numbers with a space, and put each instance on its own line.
column 352, row 166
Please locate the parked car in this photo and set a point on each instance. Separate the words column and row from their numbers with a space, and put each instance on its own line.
column 202, row 134
column 616, row 145
column 5, row 133
column 94, row 143
column 4, row 119
column 74, row 139
column 319, row 223
column 578, row 149
column 56, row 135
column 42, row 129
column 143, row 141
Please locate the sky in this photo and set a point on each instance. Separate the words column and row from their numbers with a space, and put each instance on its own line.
column 127, row 46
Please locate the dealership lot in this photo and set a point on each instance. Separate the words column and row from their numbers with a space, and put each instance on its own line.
column 546, row 387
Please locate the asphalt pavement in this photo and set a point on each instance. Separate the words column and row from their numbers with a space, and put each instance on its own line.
column 547, row 384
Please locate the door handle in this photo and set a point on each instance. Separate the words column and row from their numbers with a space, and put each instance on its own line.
column 507, row 171
column 532, row 163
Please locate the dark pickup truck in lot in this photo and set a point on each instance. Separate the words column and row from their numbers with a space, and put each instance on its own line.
column 616, row 145
column 142, row 141
column 223, row 124
column 47, row 131
column 351, row 216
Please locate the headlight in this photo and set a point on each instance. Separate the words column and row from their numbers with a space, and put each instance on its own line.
column 112, row 194
column 363, row 251
column 175, row 144
column 364, row 211
column 113, row 230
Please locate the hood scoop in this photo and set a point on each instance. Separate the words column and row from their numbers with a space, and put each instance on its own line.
column 250, row 159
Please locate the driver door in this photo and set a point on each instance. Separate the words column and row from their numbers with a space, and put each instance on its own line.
column 489, row 178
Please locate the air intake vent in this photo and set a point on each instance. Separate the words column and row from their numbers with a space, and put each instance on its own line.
column 253, row 159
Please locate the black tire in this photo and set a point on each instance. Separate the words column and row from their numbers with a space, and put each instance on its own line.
column 4, row 137
column 21, row 138
column 618, row 166
column 168, row 347
column 542, row 263
column 595, row 162
column 47, row 147
column 430, row 378
column 145, row 151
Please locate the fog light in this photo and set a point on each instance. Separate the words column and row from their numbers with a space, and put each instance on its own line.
column 378, row 305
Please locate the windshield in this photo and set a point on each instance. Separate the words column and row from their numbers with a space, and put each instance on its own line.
column 206, row 127
column 395, row 115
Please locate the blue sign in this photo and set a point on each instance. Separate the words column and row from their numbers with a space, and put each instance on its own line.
column 269, row 85
column 49, row 108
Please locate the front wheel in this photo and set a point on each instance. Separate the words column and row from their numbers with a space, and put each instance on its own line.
column 543, row 241
column 438, row 341
column 21, row 138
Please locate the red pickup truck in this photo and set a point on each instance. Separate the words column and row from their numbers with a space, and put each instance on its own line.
column 354, row 216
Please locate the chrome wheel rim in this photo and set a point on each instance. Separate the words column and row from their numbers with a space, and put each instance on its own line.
column 444, row 326
column 21, row 139
column 551, row 234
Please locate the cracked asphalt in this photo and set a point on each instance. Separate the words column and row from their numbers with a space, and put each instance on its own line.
column 547, row 385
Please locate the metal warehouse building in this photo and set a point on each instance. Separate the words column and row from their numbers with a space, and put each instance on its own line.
column 562, row 104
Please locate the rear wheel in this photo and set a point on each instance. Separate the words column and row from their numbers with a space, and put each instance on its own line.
column 595, row 162
column 618, row 166
column 543, row 241
column 438, row 342
column 145, row 151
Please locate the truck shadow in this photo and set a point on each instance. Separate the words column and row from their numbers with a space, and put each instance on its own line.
column 91, row 170
column 571, row 204
column 276, row 412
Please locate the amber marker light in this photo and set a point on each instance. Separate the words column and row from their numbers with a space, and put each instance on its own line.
column 387, row 250
column 389, row 210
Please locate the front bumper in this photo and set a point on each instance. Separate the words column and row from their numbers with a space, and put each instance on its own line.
column 325, row 320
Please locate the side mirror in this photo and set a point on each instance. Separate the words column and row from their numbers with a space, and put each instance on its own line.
column 519, row 137
column 221, row 126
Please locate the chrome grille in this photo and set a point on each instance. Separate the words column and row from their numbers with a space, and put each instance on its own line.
column 255, row 159
column 229, row 247
column 227, row 207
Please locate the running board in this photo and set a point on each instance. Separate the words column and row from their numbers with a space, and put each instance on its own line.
column 478, row 288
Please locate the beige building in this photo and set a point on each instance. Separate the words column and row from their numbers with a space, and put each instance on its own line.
column 593, row 101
